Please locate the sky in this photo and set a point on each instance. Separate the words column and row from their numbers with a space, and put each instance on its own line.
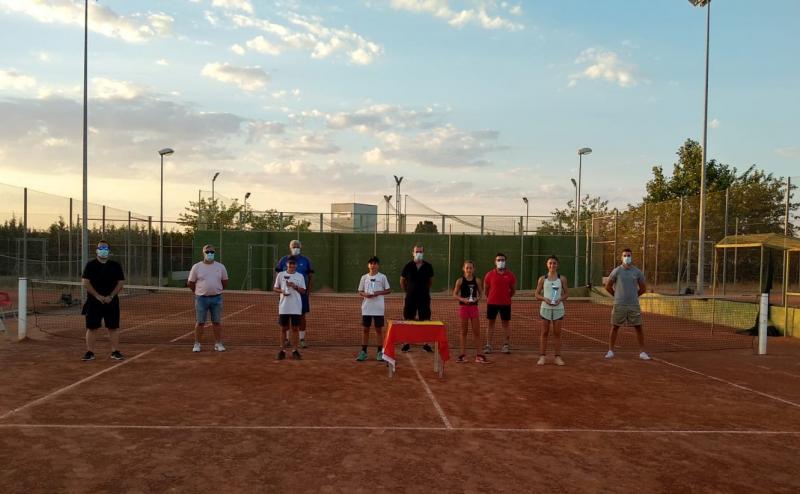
column 476, row 103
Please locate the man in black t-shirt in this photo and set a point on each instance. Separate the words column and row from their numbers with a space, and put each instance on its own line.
column 416, row 279
column 103, row 280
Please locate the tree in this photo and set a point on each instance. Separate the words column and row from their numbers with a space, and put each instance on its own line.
column 273, row 221
column 563, row 221
column 685, row 179
column 211, row 214
column 426, row 227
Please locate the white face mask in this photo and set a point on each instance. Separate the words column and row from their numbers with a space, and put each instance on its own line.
column 627, row 259
column 209, row 256
column 102, row 253
column 295, row 251
column 500, row 264
column 418, row 256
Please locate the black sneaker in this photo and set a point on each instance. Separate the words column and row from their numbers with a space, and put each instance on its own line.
column 88, row 356
column 117, row 355
column 281, row 355
column 427, row 348
column 296, row 355
column 406, row 348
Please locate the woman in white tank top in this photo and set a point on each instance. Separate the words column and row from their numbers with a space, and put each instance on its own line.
column 552, row 290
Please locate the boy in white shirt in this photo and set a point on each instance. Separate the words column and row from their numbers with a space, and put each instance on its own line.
column 291, row 285
column 372, row 287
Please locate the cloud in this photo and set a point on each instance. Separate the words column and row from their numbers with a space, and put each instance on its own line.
column 162, row 61
column 479, row 15
column 247, row 78
column 382, row 117
column 256, row 131
column 304, row 144
column 308, row 34
column 134, row 28
column 43, row 56
column 238, row 49
column 789, row 152
column 103, row 88
column 714, row 123
column 10, row 79
column 606, row 65
column 243, row 5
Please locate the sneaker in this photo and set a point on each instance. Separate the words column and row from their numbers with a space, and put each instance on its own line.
column 88, row 356
column 406, row 348
column 487, row 348
column 281, row 355
column 196, row 348
column 559, row 360
column 427, row 348
column 461, row 359
column 219, row 347
column 644, row 356
column 362, row 356
column 610, row 354
column 296, row 355
column 379, row 356
column 480, row 359
column 506, row 348
column 302, row 343
column 117, row 355
column 542, row 360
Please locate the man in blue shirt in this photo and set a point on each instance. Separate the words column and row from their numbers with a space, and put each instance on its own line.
column 305, row 269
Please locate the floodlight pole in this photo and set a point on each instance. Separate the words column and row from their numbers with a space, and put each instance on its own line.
column 161, row 153
column 581, row 152
column 701, row 233
column 398, row 199
column 85, row 205
column 387, row 199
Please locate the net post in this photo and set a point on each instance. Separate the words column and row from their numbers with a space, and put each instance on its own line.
column 22, row 309
column 763, row 319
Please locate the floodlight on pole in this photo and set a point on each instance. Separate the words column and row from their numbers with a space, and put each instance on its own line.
column 244, row 209
column 162, row 153
column 85, row 202
column 398, row 199
column 527, row 212
column 581, row 152
column 701, row 224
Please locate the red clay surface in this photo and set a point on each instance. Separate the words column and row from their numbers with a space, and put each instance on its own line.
column 167, row 420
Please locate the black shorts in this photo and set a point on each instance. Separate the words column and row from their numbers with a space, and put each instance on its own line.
column 417, row 308
column 284, row 319
column 504, row 310
column 366, row 321
column 98, row 313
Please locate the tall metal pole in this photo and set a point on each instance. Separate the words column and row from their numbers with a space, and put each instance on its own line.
column 161, row 228
column 387, row 199
column 398, row 202
column 701, row 234
column 577, row 215
column 85, row 206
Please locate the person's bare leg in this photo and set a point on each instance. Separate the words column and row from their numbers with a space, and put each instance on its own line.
column 90, row 339
column 543, row 337
column 295, row 337
column 557, row 336
column 507, row 331
column 490, row 332
column 217, row 332
column 476, row 334
column 364, row 337
column 463, row 336
column 198, row 332
column 612, row 337
column 282, row 336
column 113, row 335
column 640, row 338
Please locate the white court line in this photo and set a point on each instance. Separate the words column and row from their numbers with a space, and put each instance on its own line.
column 438, row 407
column 97, row 374
column 738, row 386
column 537, row 430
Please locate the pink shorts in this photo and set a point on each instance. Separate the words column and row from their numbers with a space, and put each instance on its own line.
column 467, row 312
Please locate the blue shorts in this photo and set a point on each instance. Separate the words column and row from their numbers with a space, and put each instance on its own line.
column 304, row 298
column 203, row 305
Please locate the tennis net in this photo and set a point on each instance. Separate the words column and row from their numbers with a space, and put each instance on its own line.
column 166, row 315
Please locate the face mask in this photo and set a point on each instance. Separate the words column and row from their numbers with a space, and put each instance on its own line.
column 627, row 259
column 418, row 256
column 501, row 264
column 209, row 256
column 102, row 253
column 296, row 251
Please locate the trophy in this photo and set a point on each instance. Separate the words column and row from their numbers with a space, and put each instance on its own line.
column 471, row 298
column 372, row 286
column 287, row 290
column 554, row 297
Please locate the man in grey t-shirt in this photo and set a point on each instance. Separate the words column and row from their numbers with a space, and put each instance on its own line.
column 626, row 283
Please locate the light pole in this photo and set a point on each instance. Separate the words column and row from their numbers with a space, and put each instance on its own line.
column 398, row 198
column 212, row 185
column 701, row 234
column 85, row 205
column 527, row 212
column 246, row 195
column 581, row 152
column 387, row 199
column 162, row 153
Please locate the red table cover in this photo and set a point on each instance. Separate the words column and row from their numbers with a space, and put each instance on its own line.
column 415, row 332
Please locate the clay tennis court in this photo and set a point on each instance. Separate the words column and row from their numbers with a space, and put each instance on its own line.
column 167, row 420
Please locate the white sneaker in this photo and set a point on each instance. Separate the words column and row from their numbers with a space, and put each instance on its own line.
column 610, row 354
column 541, row 360
column 559, row 361
column 196, row 348
column 506, row 348
column 219, row 347
column 487, row 348
column 644, row 356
